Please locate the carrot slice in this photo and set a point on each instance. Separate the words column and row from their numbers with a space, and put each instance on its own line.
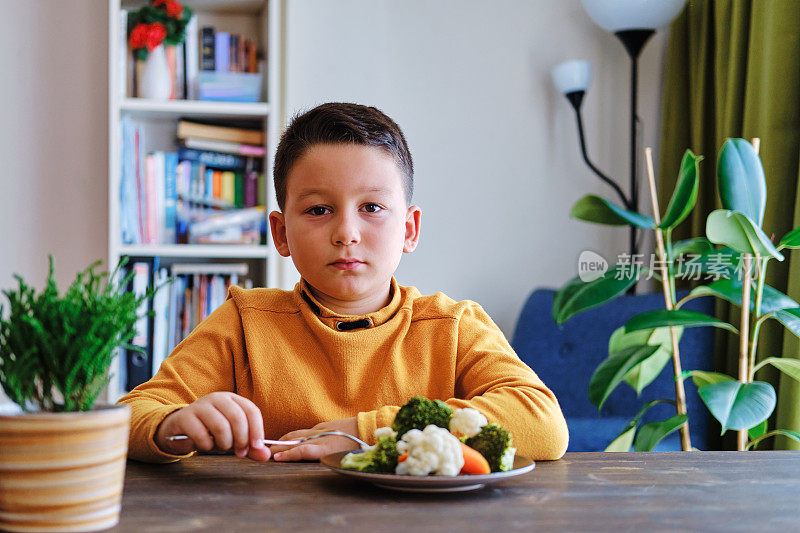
column 402, row 458
column 474, row 462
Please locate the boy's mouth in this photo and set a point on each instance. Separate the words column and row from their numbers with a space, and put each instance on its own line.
column 347, row 264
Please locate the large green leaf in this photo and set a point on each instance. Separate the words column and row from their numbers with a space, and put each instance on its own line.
column 645, row 372
column 736, row 230
column 612, row 370
column 622, row 443
column 788, row 365
column 740, row 178
column 578, row 297
column 794, row 435
column 757, row 430
column 739, row 405
column 651, row 434
column 593, row 208
column 789, row 318
column 685, row 194
column 675, row 317
column 695, row 246
column 701, row 378
column 719, row 263
column 791, row 239
column 731, row 290
column 624, row 440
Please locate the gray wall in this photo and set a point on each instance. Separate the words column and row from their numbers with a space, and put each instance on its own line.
column 495, row 147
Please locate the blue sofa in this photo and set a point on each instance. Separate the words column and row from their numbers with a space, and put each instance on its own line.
column 565, row 357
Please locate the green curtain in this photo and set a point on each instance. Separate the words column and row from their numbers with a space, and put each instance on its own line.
column 733, row 70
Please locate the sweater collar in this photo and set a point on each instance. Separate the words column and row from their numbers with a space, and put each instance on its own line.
column 341, row 322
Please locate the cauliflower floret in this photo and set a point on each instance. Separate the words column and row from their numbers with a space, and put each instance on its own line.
column 467, row 422
column 385, row 432
column 433, row 450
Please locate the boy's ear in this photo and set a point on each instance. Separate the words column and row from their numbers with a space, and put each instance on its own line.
column 277, row 225
column 413, row 221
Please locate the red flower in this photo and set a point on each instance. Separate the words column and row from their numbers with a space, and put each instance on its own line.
column 173, row 7
column 155, row 35
column 147, row 35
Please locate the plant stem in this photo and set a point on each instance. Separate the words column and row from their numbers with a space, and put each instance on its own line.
column 762, row 272
column 668, row 284
column 744, row 337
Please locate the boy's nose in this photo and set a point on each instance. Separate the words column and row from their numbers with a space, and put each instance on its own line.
column 346, row 232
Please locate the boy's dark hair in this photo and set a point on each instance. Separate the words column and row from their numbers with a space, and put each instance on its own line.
column 341, row 123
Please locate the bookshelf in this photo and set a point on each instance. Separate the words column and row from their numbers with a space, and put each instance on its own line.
column 259, row 20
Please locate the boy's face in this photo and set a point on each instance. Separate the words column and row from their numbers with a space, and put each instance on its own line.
column 346, row 223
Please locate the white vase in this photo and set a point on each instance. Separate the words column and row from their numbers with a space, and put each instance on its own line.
column 155, row 82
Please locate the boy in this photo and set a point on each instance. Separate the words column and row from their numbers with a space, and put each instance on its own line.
column 348, row 345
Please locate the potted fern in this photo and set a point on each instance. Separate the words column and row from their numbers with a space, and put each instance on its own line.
column 62, row 462
column 643, row 347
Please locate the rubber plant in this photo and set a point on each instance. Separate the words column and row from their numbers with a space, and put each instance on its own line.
column 736, row 251
column 55, row 350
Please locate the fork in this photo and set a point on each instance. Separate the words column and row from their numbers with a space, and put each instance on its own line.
column 361, row 443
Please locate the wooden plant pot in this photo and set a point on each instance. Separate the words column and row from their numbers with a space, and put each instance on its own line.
column 63, row 471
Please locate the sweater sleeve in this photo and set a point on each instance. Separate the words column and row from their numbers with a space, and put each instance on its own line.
column 491, row 378
column 203, row 363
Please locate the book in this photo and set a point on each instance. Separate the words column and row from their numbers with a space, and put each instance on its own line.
column 170, row 197
column 187, row 128
column 160, row 206
column 218, row 160
column 229, row 187
column 138, row 363
column 225, row 147
column 208, row 52
column 222, row 51
column 238, row 189
column 191, row 52
column 160, row 320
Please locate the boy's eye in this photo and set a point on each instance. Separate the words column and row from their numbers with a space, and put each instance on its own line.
column 317, row 210
column 372, row 208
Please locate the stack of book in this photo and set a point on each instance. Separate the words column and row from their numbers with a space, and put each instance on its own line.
column 188, row 294
column 162, row 194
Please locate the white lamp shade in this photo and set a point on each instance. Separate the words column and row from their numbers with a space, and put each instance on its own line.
column 618, row 15
column 573, row 75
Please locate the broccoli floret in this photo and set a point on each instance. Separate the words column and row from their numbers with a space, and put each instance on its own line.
column 419, row 412
column 494, row 443
column 381, row 458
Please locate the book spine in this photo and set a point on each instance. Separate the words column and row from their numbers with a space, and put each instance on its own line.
column 250, row 189
column 222, row 48
column 191, row 58
column 138, row 362
column 180, row 71
column 159, row 167
column 234, row 53
column 225, row 147
column 160, row 321
column 238, row 187
column 150, row 200
column 251, row 57
column 171, row 197
column 228, row 187
column 216, row 160
column 208, row 43
column 217, row 189
column 209, row 185
column 139, row 159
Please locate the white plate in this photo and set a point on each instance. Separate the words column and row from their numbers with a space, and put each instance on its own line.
column 459, row 483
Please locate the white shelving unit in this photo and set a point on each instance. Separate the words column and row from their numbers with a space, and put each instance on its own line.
column 263, row 17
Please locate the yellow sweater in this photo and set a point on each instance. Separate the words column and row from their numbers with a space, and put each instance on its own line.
column 283, row 351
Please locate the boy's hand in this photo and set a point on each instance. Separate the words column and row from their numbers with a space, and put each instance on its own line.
column 314, row 449
column 219, row 421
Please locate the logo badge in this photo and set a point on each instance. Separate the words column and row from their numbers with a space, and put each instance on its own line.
column 591, row 266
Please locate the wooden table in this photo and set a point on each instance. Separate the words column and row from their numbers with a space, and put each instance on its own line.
column 661, row 491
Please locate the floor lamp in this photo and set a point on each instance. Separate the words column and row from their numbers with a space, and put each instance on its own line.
column 633, row 22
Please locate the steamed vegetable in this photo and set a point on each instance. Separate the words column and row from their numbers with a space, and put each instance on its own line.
column 494, row 443
column 419, row 412
column 381, row 458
